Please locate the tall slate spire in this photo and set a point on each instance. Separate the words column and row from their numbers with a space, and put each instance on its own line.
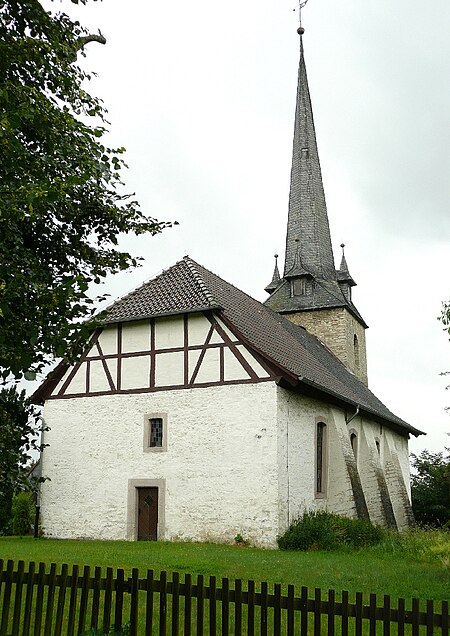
column 308, row 232
column 310, row 280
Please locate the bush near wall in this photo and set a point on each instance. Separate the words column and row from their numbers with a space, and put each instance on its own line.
column 321, row 530
column 22, row 515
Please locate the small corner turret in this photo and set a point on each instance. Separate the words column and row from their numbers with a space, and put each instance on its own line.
column 271, row 287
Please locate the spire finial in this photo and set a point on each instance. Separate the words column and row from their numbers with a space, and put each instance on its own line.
column 301, row 4
column 343, row 246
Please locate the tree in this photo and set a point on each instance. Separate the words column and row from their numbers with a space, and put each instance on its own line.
column 430, row 488
column 20, row 428
column 60, row 209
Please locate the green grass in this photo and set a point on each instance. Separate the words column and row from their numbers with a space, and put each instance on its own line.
column 407, row 566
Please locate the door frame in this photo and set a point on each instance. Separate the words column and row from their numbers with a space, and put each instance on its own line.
column 133, row 506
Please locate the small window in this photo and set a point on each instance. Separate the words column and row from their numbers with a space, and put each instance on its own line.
column 356, row 351
column 155, row 432
column 321, row 429
column 298, row 287
column 377, row 444
column 354, row 444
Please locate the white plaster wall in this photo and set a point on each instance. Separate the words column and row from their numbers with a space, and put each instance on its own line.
column 220, row 467
column 296, row 425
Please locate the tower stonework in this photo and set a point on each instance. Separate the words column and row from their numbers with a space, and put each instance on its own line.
column 312, row 292
column 337, row 329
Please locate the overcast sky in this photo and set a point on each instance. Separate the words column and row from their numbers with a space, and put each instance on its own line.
column 202, row 95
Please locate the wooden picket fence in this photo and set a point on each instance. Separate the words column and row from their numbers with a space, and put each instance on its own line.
column 40, row 600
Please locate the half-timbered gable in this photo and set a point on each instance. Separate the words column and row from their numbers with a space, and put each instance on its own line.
column 161, row 354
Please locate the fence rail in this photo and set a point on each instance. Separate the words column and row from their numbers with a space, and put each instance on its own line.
column 45, row 601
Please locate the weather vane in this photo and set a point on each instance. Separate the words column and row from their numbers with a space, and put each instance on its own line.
column 301, row 4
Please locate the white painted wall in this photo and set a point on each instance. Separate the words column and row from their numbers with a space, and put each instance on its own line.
column 220, row 466
column 297, row 418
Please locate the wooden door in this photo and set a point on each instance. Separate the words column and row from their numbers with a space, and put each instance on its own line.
column 148, row 514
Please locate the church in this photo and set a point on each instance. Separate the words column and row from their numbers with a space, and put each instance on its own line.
column 198, row 413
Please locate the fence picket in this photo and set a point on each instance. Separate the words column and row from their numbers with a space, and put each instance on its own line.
column 149, row 603
column 6, row 599
column 373, row 615
column 72, row 602
column 200, row 607
column 212, row 606
column 187, row 604
column 290, row 611
column 344, row 615
column 304, row 611
column 238, row 607
column 118, row 608
column 444, row 611
column 134, row 602
column 251, row 608
column 96, row 598
column 358, row 614
column 84, row 600
column 61, row 599
column 317, row 614
column 263, row 621
column 18, row 599
column 175, row 603
column 429, row 618
column 415, row 617
column 277, row 609
column 225, row 606
column 331, row 613
column 401, row 617
column 28, row 599
column 387, row 615
column 107, row 601
column 162, row 603
column 50, row 600
column 39, row 599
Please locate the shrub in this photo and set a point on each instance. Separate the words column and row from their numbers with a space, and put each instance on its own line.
column 22, row 514
column 321, row 530
column 360, row 533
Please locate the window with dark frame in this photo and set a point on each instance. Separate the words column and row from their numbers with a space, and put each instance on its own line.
column 320, row 457
column 156, row 432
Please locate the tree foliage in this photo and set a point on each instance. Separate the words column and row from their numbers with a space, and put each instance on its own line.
column 20, row 428
column 430, row 488
column 60, row 209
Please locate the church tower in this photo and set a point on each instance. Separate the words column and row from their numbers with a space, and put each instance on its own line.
column 312, row 293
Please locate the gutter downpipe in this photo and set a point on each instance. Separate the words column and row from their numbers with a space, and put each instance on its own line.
column 347, row 421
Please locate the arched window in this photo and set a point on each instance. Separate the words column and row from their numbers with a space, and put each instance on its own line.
column 354, row 443
column 356, row 351
column 321, row 440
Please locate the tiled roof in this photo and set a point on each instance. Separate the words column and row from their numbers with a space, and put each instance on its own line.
column 176, row 290
column 192, row 287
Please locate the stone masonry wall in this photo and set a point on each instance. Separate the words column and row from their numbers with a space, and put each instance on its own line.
column 337, row 328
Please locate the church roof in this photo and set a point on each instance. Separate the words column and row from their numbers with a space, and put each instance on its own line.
column 190, row 287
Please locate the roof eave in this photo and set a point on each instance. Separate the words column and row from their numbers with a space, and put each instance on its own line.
column 160, row 314
column 404, row 428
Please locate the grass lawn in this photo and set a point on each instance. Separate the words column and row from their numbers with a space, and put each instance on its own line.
column 382, row 570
